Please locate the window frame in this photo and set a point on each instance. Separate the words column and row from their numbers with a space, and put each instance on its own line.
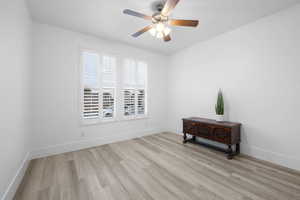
column 135, row 87
column 100, row 89
column 83, row 120
column 118, row 90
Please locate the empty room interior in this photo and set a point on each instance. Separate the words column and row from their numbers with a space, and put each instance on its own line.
column 150, row 99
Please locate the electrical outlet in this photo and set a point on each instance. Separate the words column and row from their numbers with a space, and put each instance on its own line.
column 82, row 134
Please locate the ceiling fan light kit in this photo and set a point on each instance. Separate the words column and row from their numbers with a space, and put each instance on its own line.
column 159, row 30
column 160, row 21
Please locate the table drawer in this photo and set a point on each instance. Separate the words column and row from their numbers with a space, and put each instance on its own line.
column 208, row 131
column 221, row 134
column 204, row 130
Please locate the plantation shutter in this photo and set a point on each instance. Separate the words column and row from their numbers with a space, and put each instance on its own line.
column 141, row 77
column 129, row 102
column 91, row 100
column 108, row 103
column 129, row 74
column 108, row 86
column 91, row 104
column 141, row 102
column 134, row 83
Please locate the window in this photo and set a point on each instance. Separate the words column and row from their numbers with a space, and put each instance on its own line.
column 105, row 96
column 91, row 100
column 99, row 86
column 134, row 88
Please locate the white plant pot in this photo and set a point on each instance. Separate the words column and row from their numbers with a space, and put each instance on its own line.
column 219, row 118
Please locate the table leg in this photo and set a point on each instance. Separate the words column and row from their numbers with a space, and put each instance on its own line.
column 194, row 138
column 230, row 153
column 184, row 138
column 238, row 148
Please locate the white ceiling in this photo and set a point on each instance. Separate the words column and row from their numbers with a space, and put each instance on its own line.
column 104, row 18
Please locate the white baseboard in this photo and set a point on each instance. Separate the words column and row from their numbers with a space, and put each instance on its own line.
column 83, row 144
column 14, row 184
column 273, row 157
column 67, row 147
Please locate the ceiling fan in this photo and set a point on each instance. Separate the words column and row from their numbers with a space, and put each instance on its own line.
column 160, row 20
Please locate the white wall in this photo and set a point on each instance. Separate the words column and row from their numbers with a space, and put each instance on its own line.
column 258, row 67
column 15, row 54
column 56, row 92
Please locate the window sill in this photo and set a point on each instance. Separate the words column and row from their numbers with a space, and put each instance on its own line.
column 108, row 121
column 134, row 118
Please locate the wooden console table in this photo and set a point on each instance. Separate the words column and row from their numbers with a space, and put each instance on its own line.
column 227, row 133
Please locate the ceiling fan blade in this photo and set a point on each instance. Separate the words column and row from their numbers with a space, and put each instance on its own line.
column 181, row 22
column 167, row 38
column 136, row 14
column 169, row 6
column 140, row 32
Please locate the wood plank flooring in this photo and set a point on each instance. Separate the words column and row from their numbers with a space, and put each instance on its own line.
column 157, row 167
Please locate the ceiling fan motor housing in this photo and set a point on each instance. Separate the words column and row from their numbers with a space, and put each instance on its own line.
column 158, row 17
column 157, row 6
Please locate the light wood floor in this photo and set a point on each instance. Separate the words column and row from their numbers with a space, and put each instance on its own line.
column 157, row 167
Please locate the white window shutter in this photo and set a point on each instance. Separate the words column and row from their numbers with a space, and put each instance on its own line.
column 90, row 104
column 141, row 74
column 108, row 72
column 129, row 73
column 108, row 102
column 134, row 84
column 141, row 102
column 90, row 70
column 108, row 86
column 91, row 101
column 129, row 102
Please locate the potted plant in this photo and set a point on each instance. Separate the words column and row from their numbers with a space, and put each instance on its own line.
column 220, row 107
